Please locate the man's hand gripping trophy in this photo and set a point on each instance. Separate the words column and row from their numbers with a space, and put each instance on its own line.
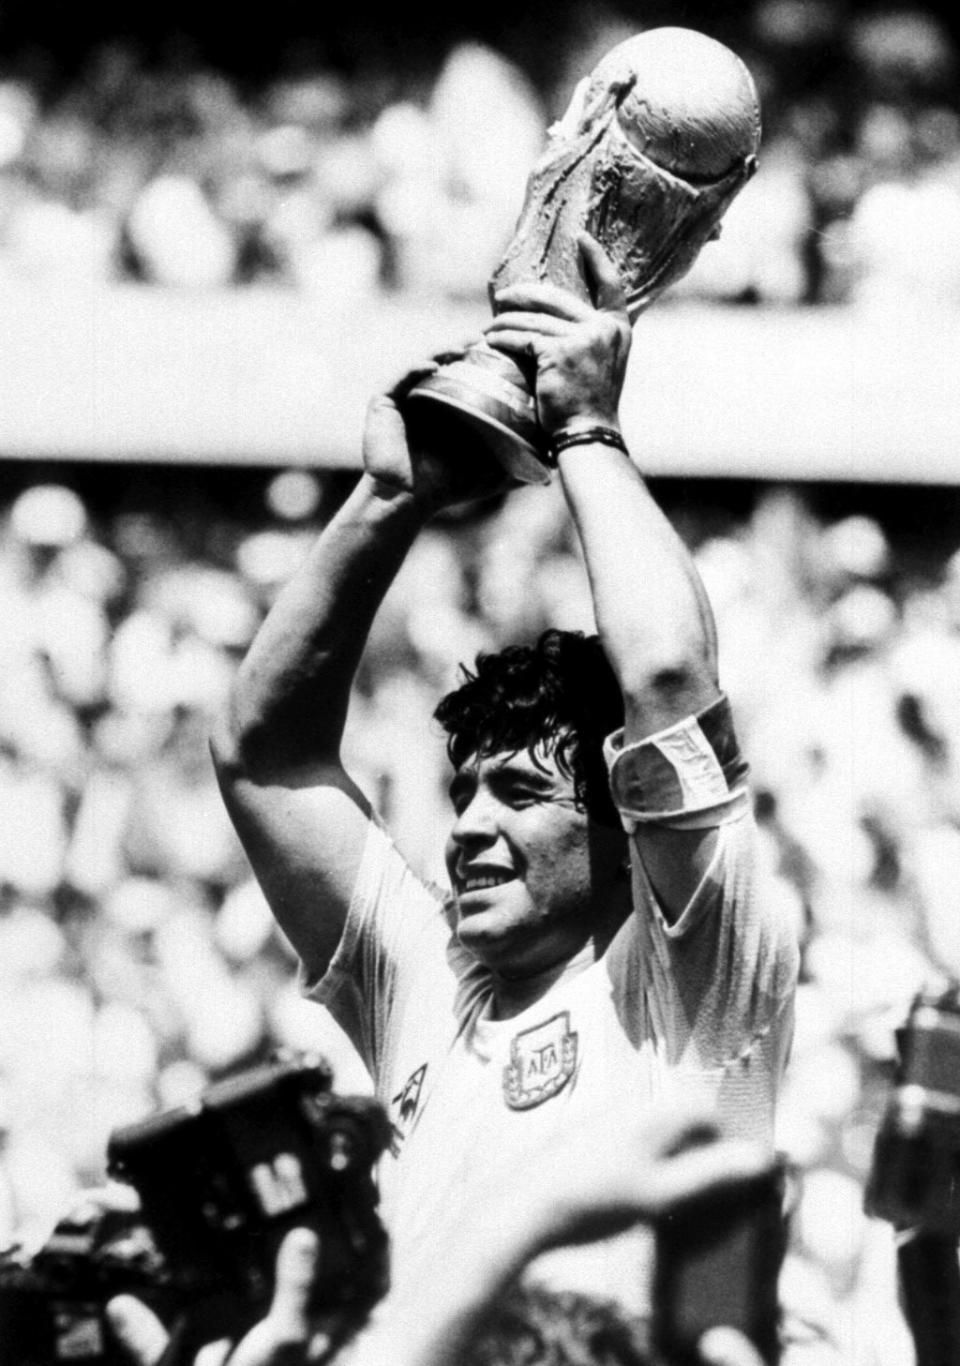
column 653, row 148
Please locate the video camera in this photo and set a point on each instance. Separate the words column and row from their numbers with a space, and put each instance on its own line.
column 914, row 1180
column 915, row 1177
column 220, row 1184
column 718, row 1261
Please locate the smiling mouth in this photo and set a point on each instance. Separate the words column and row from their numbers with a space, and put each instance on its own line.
column 482, row 882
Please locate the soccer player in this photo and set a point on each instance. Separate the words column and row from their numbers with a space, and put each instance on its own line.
column 604, row 936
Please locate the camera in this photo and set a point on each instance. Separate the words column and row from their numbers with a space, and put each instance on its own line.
column 915, row 1174
column 220, row 1183
column 717, row 1261
column 51, row 1307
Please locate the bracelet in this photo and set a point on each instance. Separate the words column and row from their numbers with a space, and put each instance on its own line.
column 586, row 436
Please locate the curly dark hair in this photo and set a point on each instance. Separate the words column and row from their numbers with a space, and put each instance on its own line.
column 560, row 691
column 538, row 1326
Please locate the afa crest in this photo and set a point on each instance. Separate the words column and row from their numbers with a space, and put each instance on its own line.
column 542, row 1061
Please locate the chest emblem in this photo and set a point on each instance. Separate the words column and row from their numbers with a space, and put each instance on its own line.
column 542, row 1061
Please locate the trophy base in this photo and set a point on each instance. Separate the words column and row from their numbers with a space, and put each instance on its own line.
column 490, row 396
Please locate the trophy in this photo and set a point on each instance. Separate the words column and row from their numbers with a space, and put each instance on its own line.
column 653, row 148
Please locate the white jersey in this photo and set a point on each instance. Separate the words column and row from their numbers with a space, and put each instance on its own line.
column 704, row 1001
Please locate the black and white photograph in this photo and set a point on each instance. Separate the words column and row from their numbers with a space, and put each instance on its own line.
column 480, row 684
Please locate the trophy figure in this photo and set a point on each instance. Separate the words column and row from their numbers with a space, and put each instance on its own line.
column 653, row 148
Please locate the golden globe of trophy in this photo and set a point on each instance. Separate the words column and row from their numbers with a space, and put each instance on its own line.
column 653, row 148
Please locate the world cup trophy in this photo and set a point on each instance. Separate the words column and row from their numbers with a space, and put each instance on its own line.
column 653, row 148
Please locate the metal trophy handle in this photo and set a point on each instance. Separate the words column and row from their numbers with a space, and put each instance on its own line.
column 652, row 150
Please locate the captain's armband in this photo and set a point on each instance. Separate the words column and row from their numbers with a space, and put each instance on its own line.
column 687, row 777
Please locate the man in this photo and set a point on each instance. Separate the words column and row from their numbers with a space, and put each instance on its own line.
column 581, row 959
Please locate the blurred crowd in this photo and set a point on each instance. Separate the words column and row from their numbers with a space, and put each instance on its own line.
column 136, row 167
column 138, row 960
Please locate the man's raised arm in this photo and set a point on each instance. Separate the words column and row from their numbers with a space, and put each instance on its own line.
column 651, row 609
column 302, row 820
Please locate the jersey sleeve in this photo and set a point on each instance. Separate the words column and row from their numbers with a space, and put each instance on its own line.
column 395, row 936
column 715, row 986
column 719, row 981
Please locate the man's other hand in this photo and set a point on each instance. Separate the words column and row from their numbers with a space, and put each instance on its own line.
column 580, row 349
column 423, row 451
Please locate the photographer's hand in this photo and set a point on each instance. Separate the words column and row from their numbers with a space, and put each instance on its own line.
column 613, row 1172
column 618, row 1169
column 284, row 1337
column 728, row 1347
column 141, row 1335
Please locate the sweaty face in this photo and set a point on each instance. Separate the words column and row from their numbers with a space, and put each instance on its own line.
column 532, row 874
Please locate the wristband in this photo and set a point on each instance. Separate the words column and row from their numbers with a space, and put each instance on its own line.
column 586, row 436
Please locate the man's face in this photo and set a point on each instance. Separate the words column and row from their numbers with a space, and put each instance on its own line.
column 532, row 874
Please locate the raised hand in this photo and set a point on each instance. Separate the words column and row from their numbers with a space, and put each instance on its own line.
column 424, row 452
column 610, row 1175
column 286, row 1336
column 142, row 1337
column 580, row 349
column 727, row 1347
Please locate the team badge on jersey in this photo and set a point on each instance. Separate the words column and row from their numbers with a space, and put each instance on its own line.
column 542, row 1061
